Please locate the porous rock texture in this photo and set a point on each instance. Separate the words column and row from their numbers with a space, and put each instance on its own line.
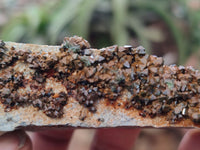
column 74, row 85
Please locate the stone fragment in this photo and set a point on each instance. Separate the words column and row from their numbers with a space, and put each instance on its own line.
column 73, row 85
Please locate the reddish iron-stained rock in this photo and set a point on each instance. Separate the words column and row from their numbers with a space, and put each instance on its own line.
column 74, row 85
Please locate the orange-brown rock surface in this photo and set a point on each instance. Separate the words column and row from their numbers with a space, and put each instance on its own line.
column 74, row 85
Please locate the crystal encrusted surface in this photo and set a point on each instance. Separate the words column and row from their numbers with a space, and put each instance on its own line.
column 114, row 74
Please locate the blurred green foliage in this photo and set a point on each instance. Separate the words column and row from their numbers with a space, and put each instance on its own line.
column 112, row 21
